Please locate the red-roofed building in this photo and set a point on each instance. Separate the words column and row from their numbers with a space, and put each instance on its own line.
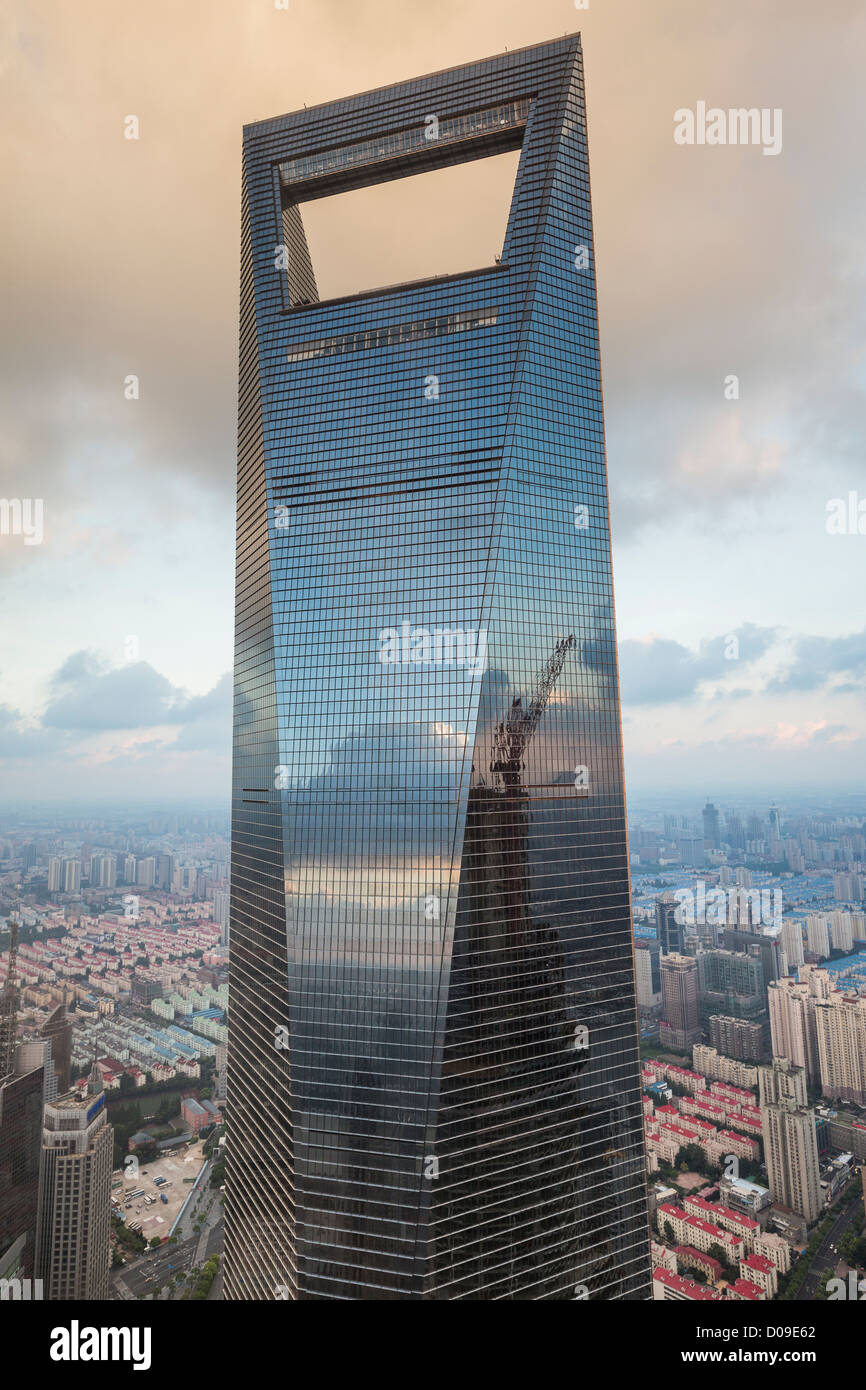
column 675, row 1286
column 757, row 1269
column 694, row 1231
column 747, row 1291
column 690, row 1258
column 725, row 1217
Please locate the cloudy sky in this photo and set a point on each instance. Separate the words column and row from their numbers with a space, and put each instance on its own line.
column 120, row 258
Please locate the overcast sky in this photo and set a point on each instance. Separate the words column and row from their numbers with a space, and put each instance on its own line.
column 120, row 257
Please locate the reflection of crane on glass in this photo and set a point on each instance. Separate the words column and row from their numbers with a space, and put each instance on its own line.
column 511, row 1109
column 512, row 736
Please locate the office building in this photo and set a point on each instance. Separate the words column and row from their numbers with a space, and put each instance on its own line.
column 21, row 1101
column 433, row 1077
column 680, row 1026
column 692, row 852
column 712, row 834
column 670, row 931
column 57, row 1028
column 648, row 974
column 164, row 871
column 22, row 1088
column 73, row 1224
column 731, row 984
column 790, row 1144
column 752, row 943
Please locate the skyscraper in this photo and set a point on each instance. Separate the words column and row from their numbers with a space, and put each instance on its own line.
column 680, row 1027
column 72, row 1233
column 433, row 1086
column 670, row 930
column 58, row 1028
column 648, row 974
column 712, row 833
column 21, row 1099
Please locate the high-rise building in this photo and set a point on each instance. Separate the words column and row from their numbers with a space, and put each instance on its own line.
column 221, row 902
column 73, row 1225
column 145, row 873
column 10, row 997
column 22, row 1095
column 70, row 876
column 841, row 931
column 712, row 834
column 54, row 873
column 648, row 973
column 164, row 871
column 58, row 1029
column 680, row 1027
column 818, row 935
column 731, row 983
column 848, row 888
column 130, row 864
column 669, row 930
column 433, row 1081
column 790, row 1144
column 103, row 871
column 793, row 1029
column 692, row 852
column 791, row 942
column 738, row 1037
column 766, row 949
column 841, row 1027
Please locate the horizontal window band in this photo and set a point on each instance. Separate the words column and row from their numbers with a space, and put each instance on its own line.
column 393, row 335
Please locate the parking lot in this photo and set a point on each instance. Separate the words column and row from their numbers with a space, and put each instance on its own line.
column 158, row 1217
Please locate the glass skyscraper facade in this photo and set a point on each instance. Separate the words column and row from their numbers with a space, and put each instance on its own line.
column 433, row 1081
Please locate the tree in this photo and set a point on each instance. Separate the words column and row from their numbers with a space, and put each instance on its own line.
column 669, row 1233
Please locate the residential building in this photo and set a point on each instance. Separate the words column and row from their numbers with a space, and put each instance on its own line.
column 790, row 1144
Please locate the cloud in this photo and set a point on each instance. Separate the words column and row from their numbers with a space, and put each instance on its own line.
column 661, row 670
column 818, row 659
column 93, row 698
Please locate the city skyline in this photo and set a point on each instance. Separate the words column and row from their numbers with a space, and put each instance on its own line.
column 432, row 668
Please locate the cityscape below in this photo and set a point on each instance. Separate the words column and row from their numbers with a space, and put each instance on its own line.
column 750, row 948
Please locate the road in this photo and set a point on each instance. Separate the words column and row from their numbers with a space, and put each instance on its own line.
column 155, row 1268
column 824, row 1257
